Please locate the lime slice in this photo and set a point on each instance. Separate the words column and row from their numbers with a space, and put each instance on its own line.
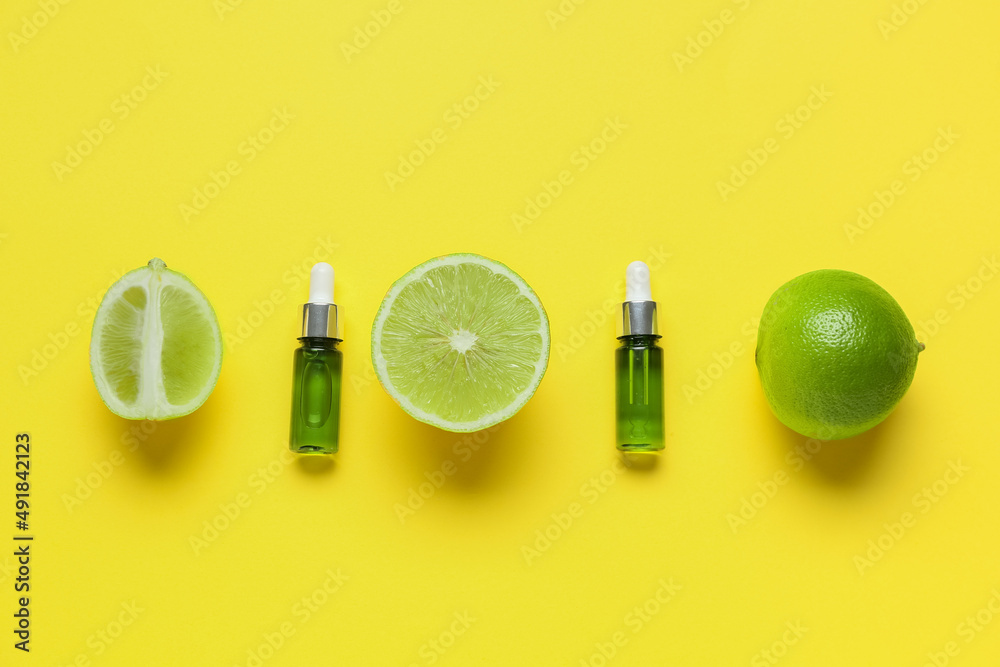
column 156, row 350
column 460, row 342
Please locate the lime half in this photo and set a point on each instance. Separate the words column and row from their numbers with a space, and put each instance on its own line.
column 460, row 342
column 156, row 350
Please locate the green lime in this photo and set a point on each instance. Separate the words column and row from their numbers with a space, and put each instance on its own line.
column 835, row 354
column 460, row 342
column 155, row 350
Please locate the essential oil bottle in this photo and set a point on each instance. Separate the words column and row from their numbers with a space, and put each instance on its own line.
column 638, row 367
column 316, row 380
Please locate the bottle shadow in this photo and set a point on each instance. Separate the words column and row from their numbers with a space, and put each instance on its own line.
column 315, row 464
column 643, row 462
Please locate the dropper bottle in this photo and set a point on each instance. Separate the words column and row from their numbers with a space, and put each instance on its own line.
column 318, row 366
column 638, row 367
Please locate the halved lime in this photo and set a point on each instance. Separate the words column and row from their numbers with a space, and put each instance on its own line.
column 460, row 342
column 155, row 350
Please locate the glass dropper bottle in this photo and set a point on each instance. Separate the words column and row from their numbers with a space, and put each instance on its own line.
column 318, row 366
column 638, row 367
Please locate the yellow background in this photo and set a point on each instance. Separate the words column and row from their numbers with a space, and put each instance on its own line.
column 319, row 190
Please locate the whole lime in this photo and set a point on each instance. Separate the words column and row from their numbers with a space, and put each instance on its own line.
column 835, row 354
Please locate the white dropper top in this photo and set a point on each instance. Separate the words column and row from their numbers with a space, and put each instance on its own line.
column 637, row 282
column 321, row 283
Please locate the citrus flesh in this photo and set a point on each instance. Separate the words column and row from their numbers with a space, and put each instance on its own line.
column 835, row 354
column 460, row 342
column 155, row 349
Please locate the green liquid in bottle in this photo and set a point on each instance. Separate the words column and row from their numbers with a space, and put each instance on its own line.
column 639, row 394
column 316, row 397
